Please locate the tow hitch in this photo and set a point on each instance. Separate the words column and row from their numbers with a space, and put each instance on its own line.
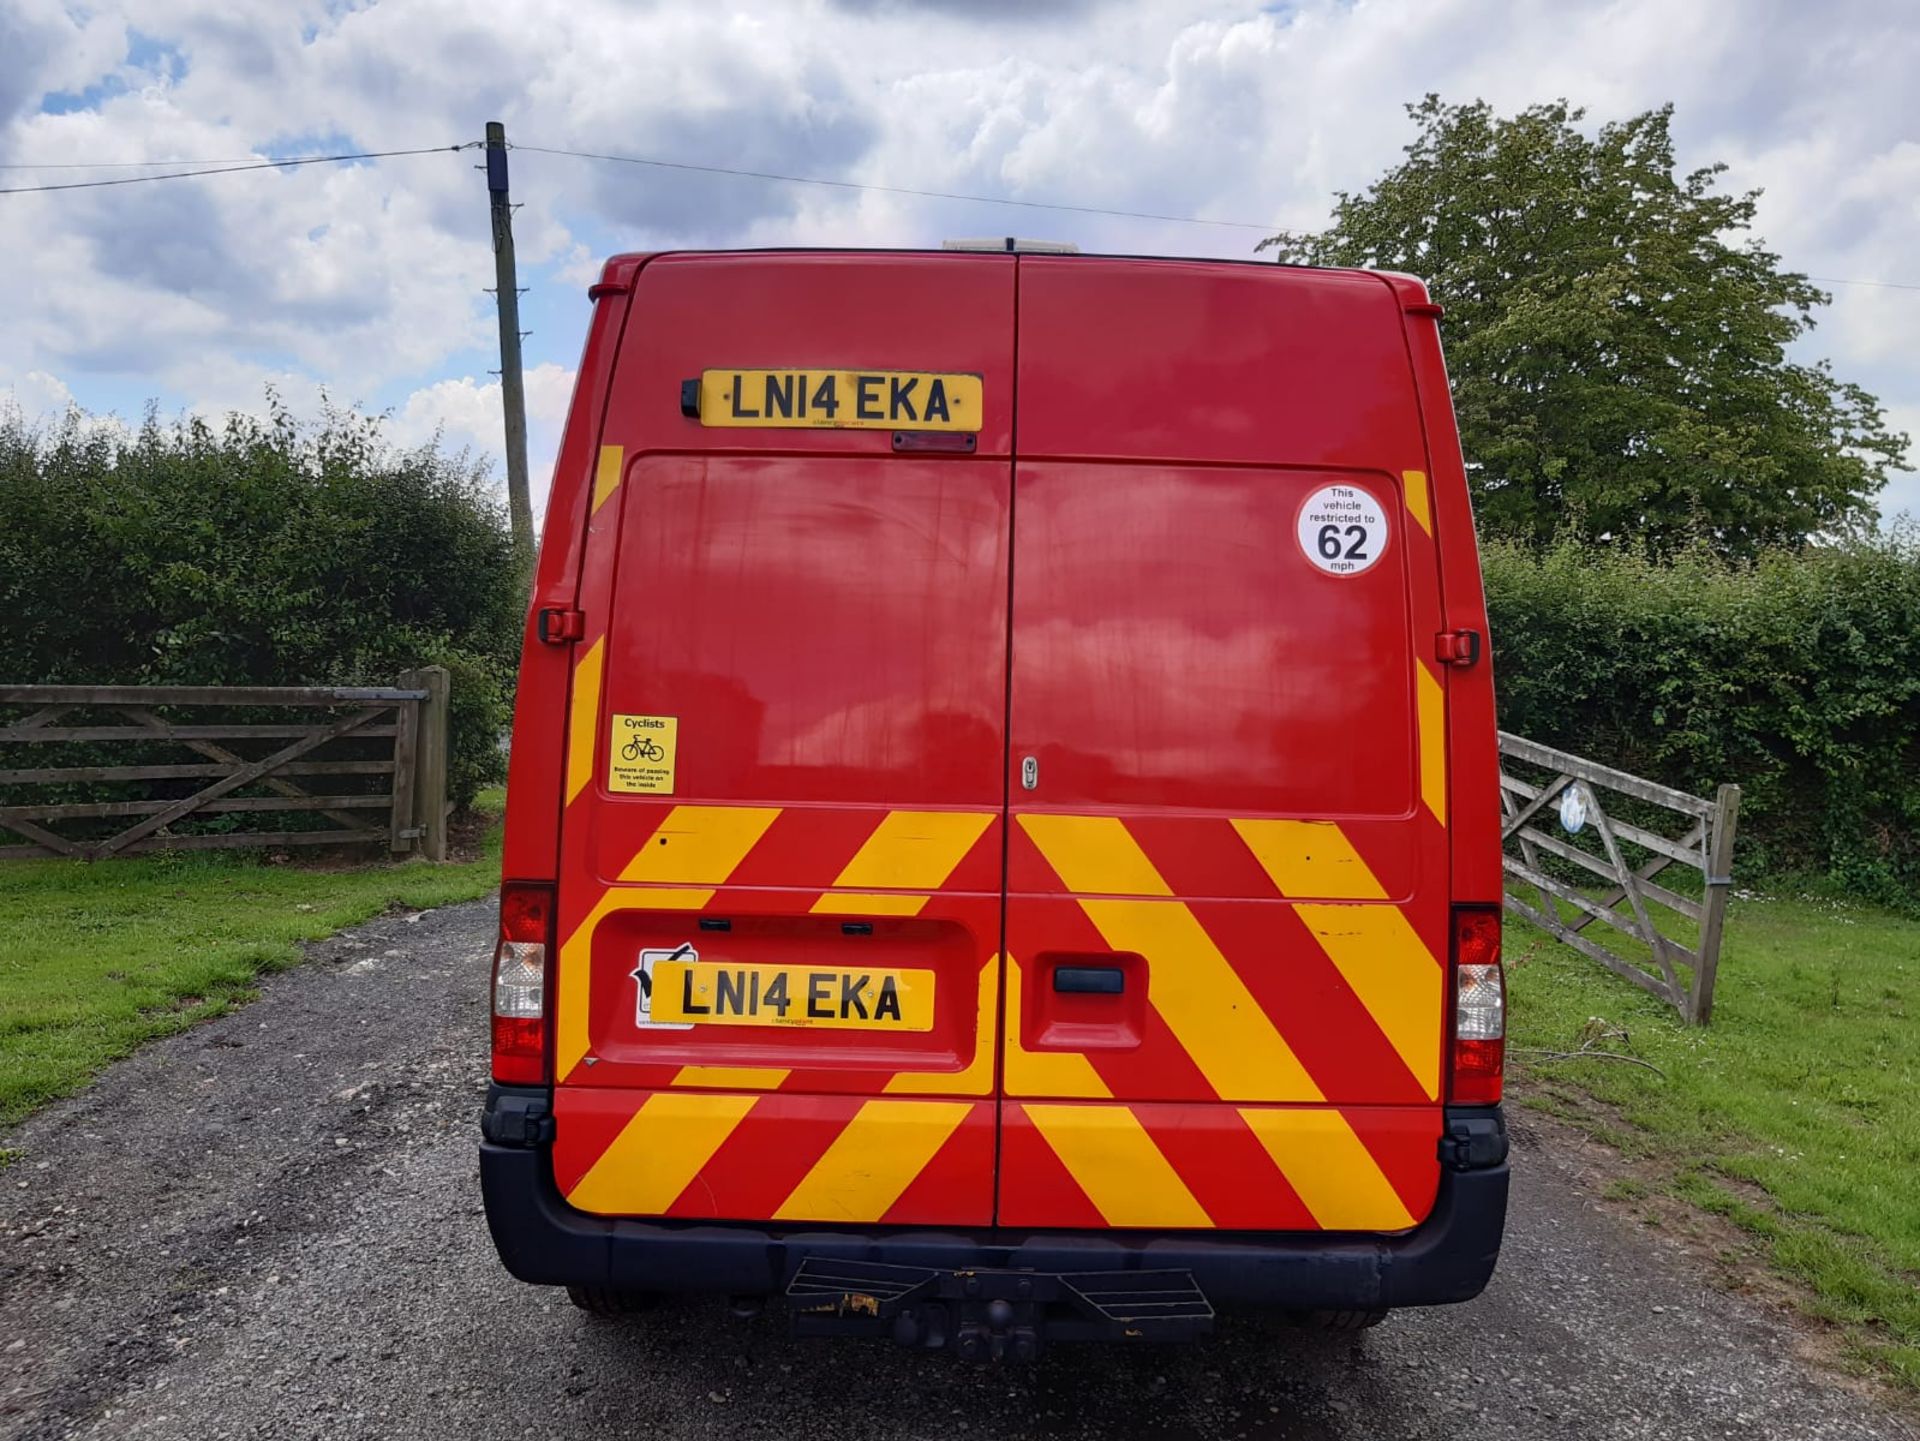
column 988, row 1315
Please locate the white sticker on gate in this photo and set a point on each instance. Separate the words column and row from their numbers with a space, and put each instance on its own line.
column 1343, row 529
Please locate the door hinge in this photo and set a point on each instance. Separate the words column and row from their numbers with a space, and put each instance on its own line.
column 558, row 626
column 1457, row 647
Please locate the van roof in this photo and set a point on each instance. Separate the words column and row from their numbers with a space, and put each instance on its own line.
column 619, row 267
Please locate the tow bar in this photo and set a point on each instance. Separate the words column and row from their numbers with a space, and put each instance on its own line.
column 988, row 1315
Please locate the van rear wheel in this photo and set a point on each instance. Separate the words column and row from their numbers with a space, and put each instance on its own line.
column 604, row 1301
column 1339, row 1320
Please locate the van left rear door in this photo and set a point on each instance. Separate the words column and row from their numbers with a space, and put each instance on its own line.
column 780, row 909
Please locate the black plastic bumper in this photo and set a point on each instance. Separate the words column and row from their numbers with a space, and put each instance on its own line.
column 1448, row 1257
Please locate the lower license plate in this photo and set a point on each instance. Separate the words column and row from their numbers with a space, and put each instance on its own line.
column 705, row 993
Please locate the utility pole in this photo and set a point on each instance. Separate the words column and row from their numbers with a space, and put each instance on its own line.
column 513, row 394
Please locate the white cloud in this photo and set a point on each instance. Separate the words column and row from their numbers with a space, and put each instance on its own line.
column 466, row 413
column 38, row 395
column 369, row 279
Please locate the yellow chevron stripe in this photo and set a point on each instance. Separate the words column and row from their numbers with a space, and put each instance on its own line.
column 1204, row 1002
column 1114, row 1160
column 873, row 1160
column 582, row 720
column 608, row 474
column 1043, row 1073
column 1432, row 712
column 1333, row 1172
column 869, row 903
column 1415, row 483
column 1392, row 972
column 977, row 1078
column 1095, row 855
column 1310, row 858
column 658, row 1153
column 731, row 1078
column 913, row 850
column 699, row 845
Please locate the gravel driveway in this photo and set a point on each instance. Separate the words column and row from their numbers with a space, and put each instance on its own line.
column 270, row 1226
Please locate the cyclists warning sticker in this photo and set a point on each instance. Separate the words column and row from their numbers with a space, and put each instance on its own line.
column 1343, row 529
column 641, row 759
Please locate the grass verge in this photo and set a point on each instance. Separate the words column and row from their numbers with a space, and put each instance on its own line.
column 1793, row 1116
column 95, row 959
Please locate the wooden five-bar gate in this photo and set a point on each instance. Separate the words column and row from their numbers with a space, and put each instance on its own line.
column 1551, row 869
column 361, row 765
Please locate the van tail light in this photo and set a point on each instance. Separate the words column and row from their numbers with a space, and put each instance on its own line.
column 520, row 983
column 1479, row 1052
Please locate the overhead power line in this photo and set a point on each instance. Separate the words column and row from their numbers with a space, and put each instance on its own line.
column 120, row 164
column 1882, row 284
column 287, row 164
column 1264, row 227
column 221, row 167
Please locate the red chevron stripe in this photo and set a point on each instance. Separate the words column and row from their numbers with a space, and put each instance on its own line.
column 1309, row 1002
column 766, row 1156
column 806, row 847
column 957, row 1181
column 1201, row 856
column 1403, row 1143
column 1035, row 1189
column 1227, row 1169
column 980, row 867
column 586, row 1123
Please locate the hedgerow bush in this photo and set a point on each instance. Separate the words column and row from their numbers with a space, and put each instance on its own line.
column 257, row 551
column 1796, row 676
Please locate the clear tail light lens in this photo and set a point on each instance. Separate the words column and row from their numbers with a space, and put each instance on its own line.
column 520, row 983
column 1479, row 1052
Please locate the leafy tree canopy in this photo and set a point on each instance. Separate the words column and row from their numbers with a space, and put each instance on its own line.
column 1617, row 344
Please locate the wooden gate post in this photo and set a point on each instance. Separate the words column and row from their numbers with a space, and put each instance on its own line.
column 1719, row 881
column 430, row 761
column 406, row 756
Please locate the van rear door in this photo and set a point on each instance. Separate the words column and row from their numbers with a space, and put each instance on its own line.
column 781, row 854
column 1228, row 863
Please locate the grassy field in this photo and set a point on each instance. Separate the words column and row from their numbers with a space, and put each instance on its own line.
column 95, row 959
column 1796, row 1115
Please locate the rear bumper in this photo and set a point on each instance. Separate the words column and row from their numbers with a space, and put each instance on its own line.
column 1448, row 1257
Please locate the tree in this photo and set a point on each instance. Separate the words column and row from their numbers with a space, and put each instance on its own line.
column 1617, row 350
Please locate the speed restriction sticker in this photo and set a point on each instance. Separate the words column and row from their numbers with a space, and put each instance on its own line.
column 1343, row 529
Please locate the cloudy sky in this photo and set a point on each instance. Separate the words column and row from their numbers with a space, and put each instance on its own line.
column 367, row 279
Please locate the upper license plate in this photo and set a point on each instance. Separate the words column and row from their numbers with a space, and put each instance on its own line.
column 708, row 993
column 841, row 399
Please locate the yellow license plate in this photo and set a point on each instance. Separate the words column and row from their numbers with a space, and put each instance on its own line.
column 841, row 399
column 708, row 993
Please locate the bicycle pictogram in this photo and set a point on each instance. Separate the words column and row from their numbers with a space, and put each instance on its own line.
column 643, row 748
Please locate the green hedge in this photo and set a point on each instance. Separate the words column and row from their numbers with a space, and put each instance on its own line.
column 257, row 552
column 1797, row 677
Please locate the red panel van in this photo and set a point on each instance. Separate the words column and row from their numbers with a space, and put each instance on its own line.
column 1002, row 835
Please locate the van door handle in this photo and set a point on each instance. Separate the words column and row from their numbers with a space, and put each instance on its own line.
column 1090, row 980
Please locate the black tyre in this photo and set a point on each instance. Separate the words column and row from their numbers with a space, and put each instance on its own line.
column 603, row 1301
column 1339, row 1320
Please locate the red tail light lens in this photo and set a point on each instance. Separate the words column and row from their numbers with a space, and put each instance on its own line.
column 1479, row 1052
column 520, row 983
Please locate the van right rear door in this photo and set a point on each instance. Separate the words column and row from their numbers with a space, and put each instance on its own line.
column 1227, row 849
